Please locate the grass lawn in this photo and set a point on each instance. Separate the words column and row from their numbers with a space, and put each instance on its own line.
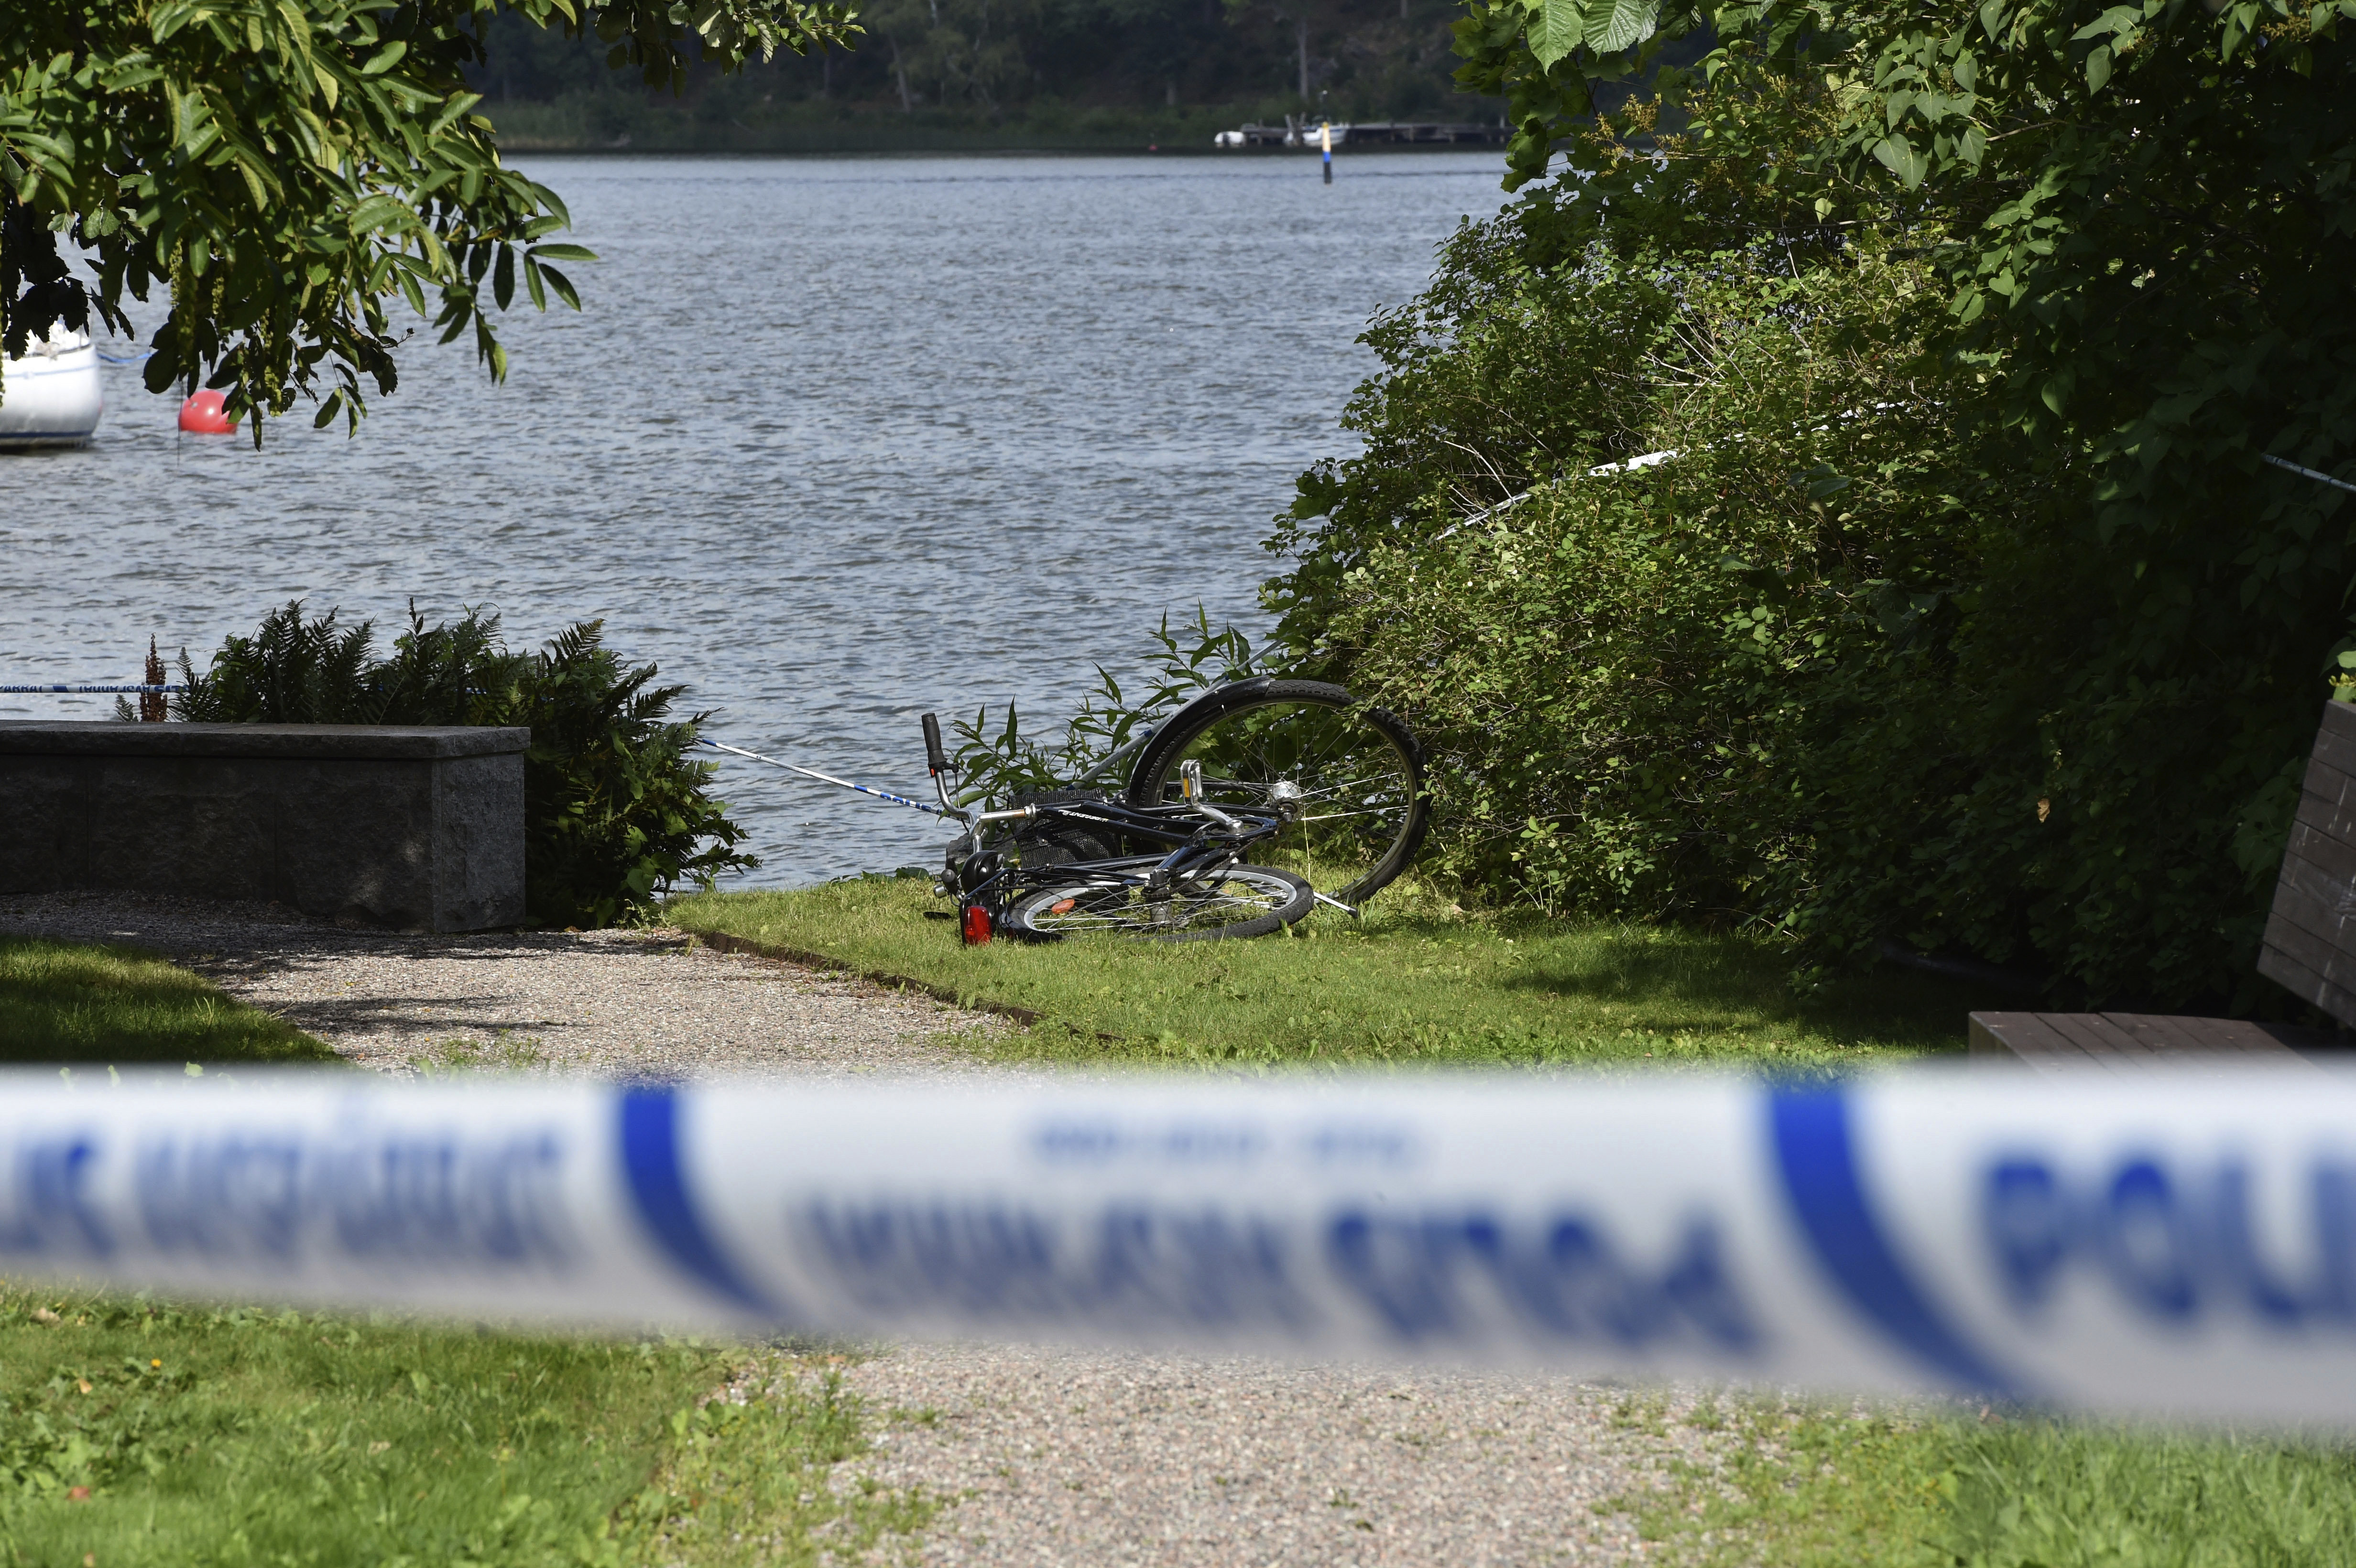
column 1799, row 1486
column 1407, row 984
column 66, row 1001
column 1810, row 1487
column 133, row 1433
column 137, row 1433
column 143, row 1433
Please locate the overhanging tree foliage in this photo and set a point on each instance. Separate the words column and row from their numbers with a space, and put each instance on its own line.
column 286, row 168
column 2147, row 208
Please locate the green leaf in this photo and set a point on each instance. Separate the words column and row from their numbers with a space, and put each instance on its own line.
column 2098, row 68
column 1612, row 26
column 380, row 212
column 1556, row 30
column 459, row 105
column 385, row 58
column 562, row 285
column 1901, row 158
column 188, row 118
column 2119, row 21
column 503, row 277
column 563, row 253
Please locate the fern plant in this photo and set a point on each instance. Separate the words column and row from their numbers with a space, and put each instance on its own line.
column 615, row 810
column 291, row 671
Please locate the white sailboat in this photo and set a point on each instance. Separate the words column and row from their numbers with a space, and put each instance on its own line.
column 52, row 397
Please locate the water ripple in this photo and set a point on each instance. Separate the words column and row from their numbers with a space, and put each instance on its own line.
column 836, row 440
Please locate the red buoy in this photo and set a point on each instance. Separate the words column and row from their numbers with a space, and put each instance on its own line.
column 207, row 413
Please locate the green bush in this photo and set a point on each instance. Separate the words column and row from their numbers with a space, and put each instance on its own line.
column 1859, row 661
column 616, row 813
column 1621, row 677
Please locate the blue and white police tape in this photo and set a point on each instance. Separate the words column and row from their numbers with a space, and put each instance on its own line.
column 89, row 690
column 2164, row 1246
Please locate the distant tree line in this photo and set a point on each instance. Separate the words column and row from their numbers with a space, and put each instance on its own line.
column 992, row 61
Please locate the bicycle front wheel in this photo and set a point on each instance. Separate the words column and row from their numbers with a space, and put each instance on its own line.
column 1242, row 901
column 1347, row 777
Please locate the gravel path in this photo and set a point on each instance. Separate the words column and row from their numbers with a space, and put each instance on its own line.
column 617, row 1003
column 1075, row 1458
column 1054, row 1456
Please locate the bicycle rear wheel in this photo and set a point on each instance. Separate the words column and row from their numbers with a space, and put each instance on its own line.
column 1346, row 776
column 1242, row 901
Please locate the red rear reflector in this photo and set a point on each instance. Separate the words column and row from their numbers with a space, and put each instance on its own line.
column 977, row 923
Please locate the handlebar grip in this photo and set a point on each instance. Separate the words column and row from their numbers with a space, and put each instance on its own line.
column 936, row 759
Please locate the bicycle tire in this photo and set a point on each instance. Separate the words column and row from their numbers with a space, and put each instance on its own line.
column 1329, row 746
column 1052, row 914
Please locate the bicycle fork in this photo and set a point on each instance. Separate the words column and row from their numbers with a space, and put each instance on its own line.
column 976, row 924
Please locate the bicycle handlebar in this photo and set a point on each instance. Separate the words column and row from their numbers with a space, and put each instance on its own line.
column 934, row 757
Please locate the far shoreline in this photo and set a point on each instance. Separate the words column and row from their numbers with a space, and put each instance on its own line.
column 545, row 148
column 631, row 126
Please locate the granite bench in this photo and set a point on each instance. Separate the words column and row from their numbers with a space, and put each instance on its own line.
column 415, row 829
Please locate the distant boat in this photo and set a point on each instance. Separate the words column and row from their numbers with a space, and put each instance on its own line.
column 1299, row 130
column 52, row 397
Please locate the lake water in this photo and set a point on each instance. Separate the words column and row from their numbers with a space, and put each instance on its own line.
column 835, row 441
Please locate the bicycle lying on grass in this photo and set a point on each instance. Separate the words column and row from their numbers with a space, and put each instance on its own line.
column 1239, row 808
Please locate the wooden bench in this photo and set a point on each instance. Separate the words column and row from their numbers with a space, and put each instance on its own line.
column 2309, row 949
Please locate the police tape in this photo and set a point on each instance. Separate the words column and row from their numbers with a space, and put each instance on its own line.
column 2149, row 1244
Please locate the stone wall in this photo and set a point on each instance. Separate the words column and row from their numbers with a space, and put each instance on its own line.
column 410, row 828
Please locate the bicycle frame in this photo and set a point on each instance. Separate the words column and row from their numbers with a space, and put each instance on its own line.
column 1202, row 838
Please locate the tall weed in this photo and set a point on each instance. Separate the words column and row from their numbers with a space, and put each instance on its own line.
column 995, row 760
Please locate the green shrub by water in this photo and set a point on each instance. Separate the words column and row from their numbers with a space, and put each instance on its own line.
column 1859, row 661
column 616, row 814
